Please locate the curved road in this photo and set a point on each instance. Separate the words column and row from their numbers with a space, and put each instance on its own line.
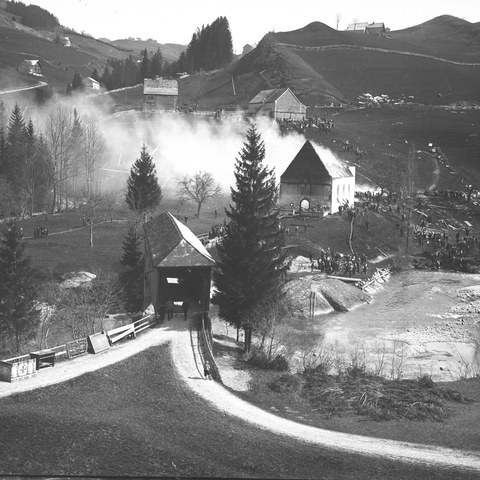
column 376, row 49
column 186, row 364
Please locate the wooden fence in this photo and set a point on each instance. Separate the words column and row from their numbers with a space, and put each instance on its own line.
column 132, row 329
column 208, row 340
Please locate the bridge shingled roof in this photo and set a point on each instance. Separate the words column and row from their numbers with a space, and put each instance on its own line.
column 172, row 244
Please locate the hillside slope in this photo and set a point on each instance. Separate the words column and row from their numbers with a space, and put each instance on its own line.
column 436, row 62
column 170, row 51
column 59, row 63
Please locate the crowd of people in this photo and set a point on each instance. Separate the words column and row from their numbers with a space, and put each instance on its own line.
column 447, row 251
column 40, row 231
column 338, row 263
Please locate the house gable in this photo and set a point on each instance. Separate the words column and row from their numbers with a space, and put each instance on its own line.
column 306, row 167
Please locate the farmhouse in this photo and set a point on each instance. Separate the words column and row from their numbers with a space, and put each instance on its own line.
column 278, row 104
column 160, row 94
column 91, row 83
column 364, row 27
column 31, row 67
column 177, row 265
column 312, row 185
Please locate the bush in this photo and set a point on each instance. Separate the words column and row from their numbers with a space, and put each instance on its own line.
column 426, row 382
column 260, row 359
column 279, row 363
column 287, row 383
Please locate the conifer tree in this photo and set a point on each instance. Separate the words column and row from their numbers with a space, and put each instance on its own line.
column 131, row 249
column 252, row 264
column 131, row 278
column 156, row 64
column 143, row 191
column 144, row 66
column 14, row 155
column 18, row 316
column 77, row 82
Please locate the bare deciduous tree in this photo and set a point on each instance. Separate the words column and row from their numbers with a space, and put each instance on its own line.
column 92, row 202
column 110, row 199
column 83, row 308
column 58, row 136
column 198, row 188
column 338, row 17
column 93, row 153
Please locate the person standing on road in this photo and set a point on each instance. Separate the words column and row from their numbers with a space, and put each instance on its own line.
column 169, row 306
column 206, row 371
column 185, row 307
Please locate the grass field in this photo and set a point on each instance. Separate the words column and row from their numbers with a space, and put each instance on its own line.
column 67, row 247
column 457, row 431
column 382, row 135
column 136, row 419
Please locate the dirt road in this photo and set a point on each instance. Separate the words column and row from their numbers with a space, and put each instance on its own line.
column 186, row 363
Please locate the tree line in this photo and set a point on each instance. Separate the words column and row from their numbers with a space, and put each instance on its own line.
column 50, row 170
column 32, row 15
column 210, row 47
column 249, row 275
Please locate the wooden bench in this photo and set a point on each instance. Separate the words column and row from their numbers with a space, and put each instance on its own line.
column 43, row 358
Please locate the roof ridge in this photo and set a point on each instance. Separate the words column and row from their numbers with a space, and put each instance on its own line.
column 176, row 223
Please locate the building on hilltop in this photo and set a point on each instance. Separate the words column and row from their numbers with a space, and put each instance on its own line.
column 177, row 266
column 278, row 104
column 312, row 185
column 31, row 67
column 365, row 27
column 91, row 84
column 160, row 94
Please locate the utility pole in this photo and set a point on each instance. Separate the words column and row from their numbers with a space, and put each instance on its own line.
column 409, row 192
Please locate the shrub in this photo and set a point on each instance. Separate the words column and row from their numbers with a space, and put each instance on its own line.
column 426, row 382
column 260, row 359
column 287, row 382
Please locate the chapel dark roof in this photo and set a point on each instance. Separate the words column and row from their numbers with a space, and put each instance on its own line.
column 172, row 244
column 306, row 167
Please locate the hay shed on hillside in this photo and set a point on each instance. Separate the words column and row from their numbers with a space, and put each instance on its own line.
column 160, row 94
column 31, row 67
column 177, row 266
column 278, row 104
column 312, row 185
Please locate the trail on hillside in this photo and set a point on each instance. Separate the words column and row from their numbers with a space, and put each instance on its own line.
column 185, row 355
column 13, row 90
column 376, row 49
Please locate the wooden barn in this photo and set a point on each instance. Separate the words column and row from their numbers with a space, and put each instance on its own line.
column 177, row 266
column 31, row 67
column 312, row 185
column 278, row 104
column 365, row 27
column 160, row 94
column 91, row 84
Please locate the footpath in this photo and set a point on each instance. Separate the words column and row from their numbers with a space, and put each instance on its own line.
column 187, row 354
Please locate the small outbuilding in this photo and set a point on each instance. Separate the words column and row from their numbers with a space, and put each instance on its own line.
column 312, row 185
column 91, row 84
column 177, row 266
column 278, row 104
column 365, row 27
column 31, row 67
column 160, row 94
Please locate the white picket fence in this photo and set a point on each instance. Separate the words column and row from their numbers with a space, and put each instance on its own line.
column 130, row 329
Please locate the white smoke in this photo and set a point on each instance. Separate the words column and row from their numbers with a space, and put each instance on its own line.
column 183, row 145
column 179, row 144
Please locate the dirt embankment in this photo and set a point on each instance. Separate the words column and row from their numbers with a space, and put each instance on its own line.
column 318, row 295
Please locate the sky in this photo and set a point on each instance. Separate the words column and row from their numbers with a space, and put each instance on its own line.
column 175, row 21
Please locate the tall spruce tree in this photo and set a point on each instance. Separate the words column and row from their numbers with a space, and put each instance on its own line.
column 131, row 278
column 143, row 191
column 15, row 146
column 252, row 263
column 18, row 316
